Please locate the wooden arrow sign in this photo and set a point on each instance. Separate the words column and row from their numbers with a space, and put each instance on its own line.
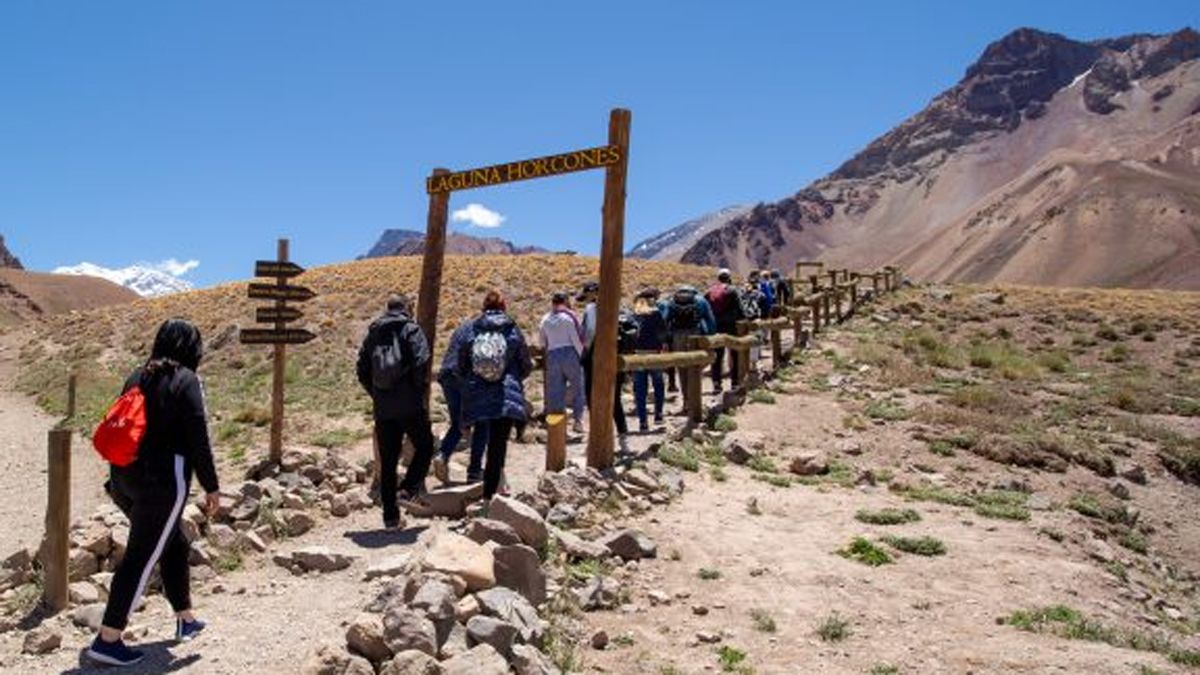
column 281, row 292
column 277, row 314
column 271, row 336
column 274, row 268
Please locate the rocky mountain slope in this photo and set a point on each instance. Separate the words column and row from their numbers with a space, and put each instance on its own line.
column 1053, row 161
column 7, row 259
column 26, row 295
column 412, row 242
column 147, row 282
column 672, row 244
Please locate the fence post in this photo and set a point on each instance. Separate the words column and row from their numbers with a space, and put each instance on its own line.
column 693, row 403
column 556, row 441
column 58, row 508
column 776, row 349
column 741, row 357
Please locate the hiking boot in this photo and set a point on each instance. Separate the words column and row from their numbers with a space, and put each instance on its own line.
column 113, row 653
column 623, row 444
column 440, row 469
column 185, row 631
column 643, row 428
column 577, row 428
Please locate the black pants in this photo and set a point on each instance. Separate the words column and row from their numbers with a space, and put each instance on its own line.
column 718, row 365
column 497, row 453
column 390, row 434
column 618, row 409
column 154, row 537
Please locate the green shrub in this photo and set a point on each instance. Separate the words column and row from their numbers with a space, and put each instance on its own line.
column 926, row 546
column 888, row 516
column 865, row 552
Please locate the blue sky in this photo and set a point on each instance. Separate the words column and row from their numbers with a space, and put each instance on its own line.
column 144, row 131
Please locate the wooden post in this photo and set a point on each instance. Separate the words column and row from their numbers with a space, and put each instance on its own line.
column 776, row 349
column 693, row 398
column 816, row 316
column 279, row 370
column 71, row 382
column 431, row 272
column 741, row 357
column 797, row 329
column 814, row 282
column 58, row 518
column 604, row 350
column 825, row 303
column 556, row 441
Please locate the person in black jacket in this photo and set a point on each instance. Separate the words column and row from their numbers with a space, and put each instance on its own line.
column 153, row 489
column 392, row 369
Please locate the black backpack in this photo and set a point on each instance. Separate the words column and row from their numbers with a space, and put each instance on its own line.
column 390, row 362
column 683, row 314
column 751, row 300
column 627, row 332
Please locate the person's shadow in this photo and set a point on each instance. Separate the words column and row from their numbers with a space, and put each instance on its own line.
column 159, row 659
column 374, row 539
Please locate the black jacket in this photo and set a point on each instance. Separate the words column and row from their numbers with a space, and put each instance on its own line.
column 409, row 398
column 176, row 424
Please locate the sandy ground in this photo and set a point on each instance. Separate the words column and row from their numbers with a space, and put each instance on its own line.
column 23, row 428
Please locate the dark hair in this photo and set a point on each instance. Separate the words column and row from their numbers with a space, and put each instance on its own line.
column 493, row 301
column 177, row 342
column 559, row 298
column 398, row 302
column 724, row 277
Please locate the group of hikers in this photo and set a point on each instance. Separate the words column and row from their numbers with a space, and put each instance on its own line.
column 482, row 376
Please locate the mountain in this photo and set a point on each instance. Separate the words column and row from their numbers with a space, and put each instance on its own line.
column 670, row 245
column 1052, row 161
column 7, row 259
column 27, row 295
column 411, row 242
column 147, row 282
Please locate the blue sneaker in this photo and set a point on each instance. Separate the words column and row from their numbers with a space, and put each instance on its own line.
column 113, row 653
column 186, row 630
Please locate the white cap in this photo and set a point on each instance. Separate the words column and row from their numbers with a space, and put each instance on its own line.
column 724, row 272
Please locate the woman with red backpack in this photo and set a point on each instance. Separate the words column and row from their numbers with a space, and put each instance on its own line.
column 149, row 480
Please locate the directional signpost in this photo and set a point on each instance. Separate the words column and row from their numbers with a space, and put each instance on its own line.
column 279, row 315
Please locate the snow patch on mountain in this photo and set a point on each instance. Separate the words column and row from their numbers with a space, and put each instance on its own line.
column 149, row 280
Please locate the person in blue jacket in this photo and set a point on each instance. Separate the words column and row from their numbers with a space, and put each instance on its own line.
column 493, row 363
column 452, row 386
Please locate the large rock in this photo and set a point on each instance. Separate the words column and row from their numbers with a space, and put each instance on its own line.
column 405, row 629
column 330, row 660
column 529, row 660
column 96, row 538
column 320, row 559
column 452, row 502
column 19, row 560
column 296, row 522
column 809, row 464
column 510, row 606
column 223, row 537
column 519, row 568
column 483, row 530
column 41, row 640
column 81, row 564
column 83, row 593
column 454, row 554
column 742, row 446
column 393, row 566
column 492, row 631
column 88, row 616
column 599, row 592
column 365, row 638
column 481, row 660
column 412, row 662
column 192, row 522
column 522, row 518
column 630, row 545
column 578, row 548
column 437, row 601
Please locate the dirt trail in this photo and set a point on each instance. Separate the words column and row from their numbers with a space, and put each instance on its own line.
column 23, row 427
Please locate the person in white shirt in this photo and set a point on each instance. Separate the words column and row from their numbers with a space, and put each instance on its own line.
column 562, row 338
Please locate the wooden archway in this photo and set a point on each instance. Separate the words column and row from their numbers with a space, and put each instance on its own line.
column 614, row 159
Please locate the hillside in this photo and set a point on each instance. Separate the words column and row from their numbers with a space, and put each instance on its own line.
column 673, row 243
column 411, row 242
column 1052, row 162
column 26, row 295
column 7, row 259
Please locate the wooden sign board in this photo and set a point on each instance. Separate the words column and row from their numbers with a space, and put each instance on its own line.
column 281, row 292
column 275, row 336
column 277, row 314
column 275, row 268
column 552, row 165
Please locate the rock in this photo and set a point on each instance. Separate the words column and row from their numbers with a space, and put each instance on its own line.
column 320, row 559
column 88, row 616
column 390, row 567
column 330, row 660
column 809, row 464
column 642, row 479
column 250, row 541
column 672, row 482
column 658, row 597
column 522, row 518
column 564, row 487
column 488, row 630
column 988, row 298
column 483, row 530
column 1118, row 489
column 83, row 593
column 455, row 554
column 1134, row 473
column 20, row 560
column 223, row 537
column 480, row 660
column 740, row 446
column 940, row 294
column 528, row 660
column 314, row 474
column 437, row 601
column 199, row 555
column 120, row 539
column 466, row 608
column 296, row 522
column 1100, row 550
column 599, row 639
column 405, row 629
column 699, row 610
column 630, row 545
column 95, row 538
column 456, row 645
column 246, row 510
column 707, row 637
column 452, row 502
column 192, row 522
column 411, row 662
column 339, row 506
column 41, row 640
column 562, row 514
column 599, row 592
column 81, row 564
column 519, row 568
column 365, row 638
column 510, row 606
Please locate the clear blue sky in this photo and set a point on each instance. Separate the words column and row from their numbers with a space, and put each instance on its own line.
column 203, row 130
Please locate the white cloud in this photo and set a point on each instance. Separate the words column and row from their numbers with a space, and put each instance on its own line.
column 174, row 267
column 477, row 215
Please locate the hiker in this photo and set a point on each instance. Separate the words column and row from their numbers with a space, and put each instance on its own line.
column 652, row 338
column 759, row 284
column 153, row 489
column 783, row 293
column 589, row 294
column 561, row 336
column 452, row 386
column 687, row 314
column 493, row 362
column 392, row 369
column 727, row 308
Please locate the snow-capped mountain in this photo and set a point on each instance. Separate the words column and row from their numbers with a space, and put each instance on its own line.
column 148, row 281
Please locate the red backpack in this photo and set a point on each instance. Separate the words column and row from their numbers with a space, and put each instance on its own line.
column 120, row 433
